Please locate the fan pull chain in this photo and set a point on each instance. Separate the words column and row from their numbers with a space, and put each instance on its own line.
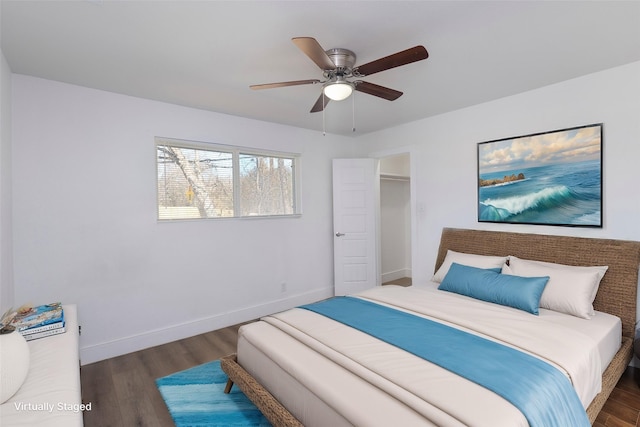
column 353, row 113
column 324, row 104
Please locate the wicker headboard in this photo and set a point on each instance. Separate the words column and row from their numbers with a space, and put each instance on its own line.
column 619, row 286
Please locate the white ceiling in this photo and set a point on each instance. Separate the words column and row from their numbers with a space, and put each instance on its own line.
column 205, row 54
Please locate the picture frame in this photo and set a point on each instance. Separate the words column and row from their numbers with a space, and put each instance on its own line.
column 548, row 178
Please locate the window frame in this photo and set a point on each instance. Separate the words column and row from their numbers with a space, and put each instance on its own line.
column 236, row 152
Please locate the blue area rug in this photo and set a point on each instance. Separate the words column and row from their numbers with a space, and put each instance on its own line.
column 196, row 398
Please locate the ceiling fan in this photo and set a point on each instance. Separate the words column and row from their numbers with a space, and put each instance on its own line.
column 338, row 70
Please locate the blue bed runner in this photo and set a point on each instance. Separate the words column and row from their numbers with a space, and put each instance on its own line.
column 540, row 391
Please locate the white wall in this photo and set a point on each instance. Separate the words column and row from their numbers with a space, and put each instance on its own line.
column 395, row 228
column 395, row 166
column 444, row 163
column 85, row 227
column 6, row 239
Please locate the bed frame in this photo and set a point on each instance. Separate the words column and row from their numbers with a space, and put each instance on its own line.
column 617, row 295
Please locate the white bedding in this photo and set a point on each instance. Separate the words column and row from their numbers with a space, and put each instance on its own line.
column 604, row 328
column 324, row 371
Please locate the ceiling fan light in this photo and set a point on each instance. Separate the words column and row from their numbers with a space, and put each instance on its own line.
column 337, row 91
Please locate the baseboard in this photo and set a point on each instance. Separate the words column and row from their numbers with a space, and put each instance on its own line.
column 128, row 344
column 395, row 275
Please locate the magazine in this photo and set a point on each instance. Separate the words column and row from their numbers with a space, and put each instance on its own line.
column 43, row 328
column 30, row 337
column 33, row 317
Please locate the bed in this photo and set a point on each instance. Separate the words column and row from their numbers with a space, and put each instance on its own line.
column 305, row 370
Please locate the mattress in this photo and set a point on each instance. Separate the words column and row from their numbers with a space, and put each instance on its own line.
column 340, row 378
column 605, row 329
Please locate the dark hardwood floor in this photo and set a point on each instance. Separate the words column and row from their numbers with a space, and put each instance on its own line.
column 623, row 407
column 122, row 390
column 405, row 281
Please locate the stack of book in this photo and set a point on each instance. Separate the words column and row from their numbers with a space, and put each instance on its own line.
column 41, row 321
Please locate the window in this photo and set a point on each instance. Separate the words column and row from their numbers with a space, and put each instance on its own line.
column 198, row 180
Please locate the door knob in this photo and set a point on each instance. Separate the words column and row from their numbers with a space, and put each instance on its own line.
column 339, row 234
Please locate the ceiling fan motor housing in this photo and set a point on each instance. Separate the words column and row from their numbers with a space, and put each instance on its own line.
column 344, row 60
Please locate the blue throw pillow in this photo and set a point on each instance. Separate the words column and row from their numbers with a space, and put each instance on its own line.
column 513, row 291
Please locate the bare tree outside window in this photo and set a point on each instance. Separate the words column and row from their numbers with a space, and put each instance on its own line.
column 200, row 183
column 266, row 185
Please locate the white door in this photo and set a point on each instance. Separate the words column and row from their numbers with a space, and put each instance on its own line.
column 355, row 195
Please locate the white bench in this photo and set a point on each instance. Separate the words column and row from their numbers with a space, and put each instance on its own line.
column 50, row 395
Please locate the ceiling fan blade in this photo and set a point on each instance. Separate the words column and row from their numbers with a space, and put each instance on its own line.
column 379, row 91
column 320, row 104
column 284, row 84
column 417, row 53
column 313, row 50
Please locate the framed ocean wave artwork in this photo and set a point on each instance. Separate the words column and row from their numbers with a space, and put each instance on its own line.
column 550, row 178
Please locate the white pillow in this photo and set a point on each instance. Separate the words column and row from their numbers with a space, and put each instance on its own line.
column 570, row 290
column 14, row 364
column 471, row 260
